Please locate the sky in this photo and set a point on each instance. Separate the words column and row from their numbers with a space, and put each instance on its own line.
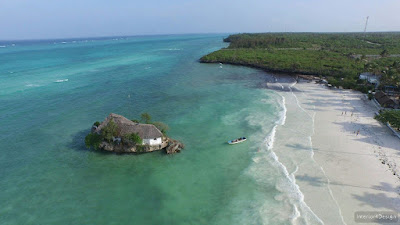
column 47, row 19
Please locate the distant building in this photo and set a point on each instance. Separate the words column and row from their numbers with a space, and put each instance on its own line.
column 391, row 90
column 386, row 101
column 370, row 78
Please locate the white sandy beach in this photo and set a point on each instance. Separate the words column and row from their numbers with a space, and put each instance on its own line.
column 338, row 171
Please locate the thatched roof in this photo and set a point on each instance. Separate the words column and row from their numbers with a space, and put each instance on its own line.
column 379, row 95
column 385, row 100
column 126, row 126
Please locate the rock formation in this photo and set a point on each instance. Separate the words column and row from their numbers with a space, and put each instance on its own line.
column 121, row 135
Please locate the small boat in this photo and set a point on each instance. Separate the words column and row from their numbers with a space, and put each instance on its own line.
column 237, row 141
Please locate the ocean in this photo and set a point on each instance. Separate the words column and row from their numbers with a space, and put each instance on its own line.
column 52, row 91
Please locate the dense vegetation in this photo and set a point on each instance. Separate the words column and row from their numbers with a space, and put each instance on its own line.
column 146, row 118
column 93, row 140
column 391, row 116
column 340, row 57
column 135, row 139
column 354, row 43
column 110, row 131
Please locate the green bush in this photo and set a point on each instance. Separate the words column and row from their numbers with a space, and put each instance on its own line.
column 93, row 140
column 134, row 138
column 361, row 81
column 362, row 88
column 110, row 131
column 140, row 148
column 97, row 123
column 391, row 116
column 146, row 118
column 384, row 53
column 162, row 127
column 333, row 81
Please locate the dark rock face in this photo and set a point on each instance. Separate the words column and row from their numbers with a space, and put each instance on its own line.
column 170, row 146
column 118, row 148
column 174, row 146
column 93, row 128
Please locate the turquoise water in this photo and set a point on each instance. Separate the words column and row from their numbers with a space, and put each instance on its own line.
column 51, row 92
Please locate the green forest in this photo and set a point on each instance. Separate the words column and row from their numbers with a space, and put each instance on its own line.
column 391, row 116
column 340, row 57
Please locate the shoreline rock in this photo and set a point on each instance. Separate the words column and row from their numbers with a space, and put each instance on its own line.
column 174, row 146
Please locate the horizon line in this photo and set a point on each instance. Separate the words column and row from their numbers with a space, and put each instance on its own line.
column 173, row 34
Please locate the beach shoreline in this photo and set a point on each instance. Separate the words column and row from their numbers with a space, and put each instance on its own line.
column 348, row 162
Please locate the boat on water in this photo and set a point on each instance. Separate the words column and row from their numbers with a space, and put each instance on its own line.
column 237, row 140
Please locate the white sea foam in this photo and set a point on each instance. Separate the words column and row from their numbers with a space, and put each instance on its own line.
column 172, row 49
column 231, row 118
column 282, row 119
column 61, row 80
column 296, row 213
column 288, row 186
column 32, row 85
column 2, row 46
column 291, row 193
column 267, row 169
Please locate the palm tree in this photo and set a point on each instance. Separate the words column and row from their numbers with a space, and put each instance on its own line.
column 384, row 53
column 373, row 68
column 146, row 118
column 390, row 77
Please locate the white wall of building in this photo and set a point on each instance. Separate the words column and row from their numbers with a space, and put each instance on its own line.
column 157, row 141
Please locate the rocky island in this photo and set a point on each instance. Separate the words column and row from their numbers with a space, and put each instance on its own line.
column 121, row 135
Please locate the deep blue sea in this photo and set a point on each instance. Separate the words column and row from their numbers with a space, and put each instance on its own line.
column 52, row 91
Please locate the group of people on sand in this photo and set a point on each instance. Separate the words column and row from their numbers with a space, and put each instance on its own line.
column 356, row 132
column 345, row 113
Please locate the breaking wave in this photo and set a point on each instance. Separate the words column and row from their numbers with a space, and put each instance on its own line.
column 61, row 80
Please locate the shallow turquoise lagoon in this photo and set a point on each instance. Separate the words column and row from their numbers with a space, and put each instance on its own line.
column 52, row 91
